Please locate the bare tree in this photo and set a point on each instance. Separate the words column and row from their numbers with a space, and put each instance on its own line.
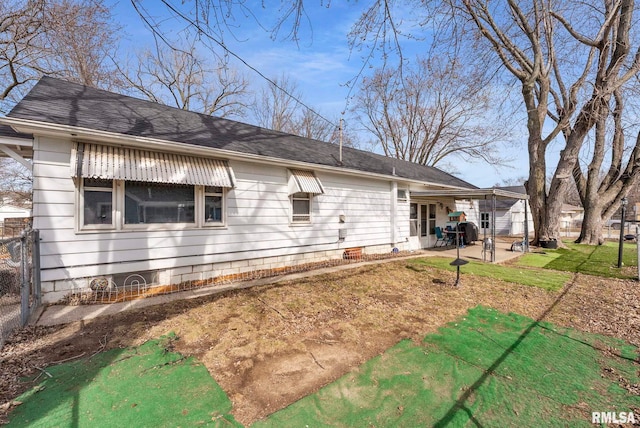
column 182, row 78
column 279, row 108
column 15, row 183
column 82, row 39
column 569, row 58
column 72, row 39
column 430, row 112
column 276, row 105
column 598, row 189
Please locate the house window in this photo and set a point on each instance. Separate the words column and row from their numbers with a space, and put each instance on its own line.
column 127, row 188
column 301, row 207
column 152, row 203
column 97, row 197
column 137, row 204
column 484, row 220
column 432, row 219
column 213, row 209
column 413, row 220
column 402, row 195
column 423, row 220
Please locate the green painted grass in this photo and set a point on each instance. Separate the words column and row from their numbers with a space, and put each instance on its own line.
column 488, row 369
column 147, row 386
column 548, row 280
column 600, row 260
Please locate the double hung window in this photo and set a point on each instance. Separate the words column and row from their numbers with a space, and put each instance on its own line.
column 213, row 205
column 301, row 204
column 303, row 186
column 97, row 202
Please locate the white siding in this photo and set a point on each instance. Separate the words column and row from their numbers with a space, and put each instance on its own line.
column 471, row 209
column 503, row 222
column 257, row 218
column 517, row 219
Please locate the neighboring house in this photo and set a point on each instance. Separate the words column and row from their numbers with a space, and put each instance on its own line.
column 124, row 186
column 571, row 217
column 13, row 219
column 509, row 213
column 8, row 210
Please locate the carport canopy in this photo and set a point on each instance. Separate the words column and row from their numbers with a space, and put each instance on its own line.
column 491, row 194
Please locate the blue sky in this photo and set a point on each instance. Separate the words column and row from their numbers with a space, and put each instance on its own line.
column 321, row 63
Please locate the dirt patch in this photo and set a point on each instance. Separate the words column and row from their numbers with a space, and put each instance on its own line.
column 271, row 345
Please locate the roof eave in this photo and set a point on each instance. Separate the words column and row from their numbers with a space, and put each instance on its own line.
column 472, row 194
column 88, row 134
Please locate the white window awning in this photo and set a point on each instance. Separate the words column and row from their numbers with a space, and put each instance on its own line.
column 301, row 181
column 119, row 163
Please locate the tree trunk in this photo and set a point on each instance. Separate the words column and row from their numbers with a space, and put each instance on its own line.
column 591, row 231
column 550, row 230
column 536, row 185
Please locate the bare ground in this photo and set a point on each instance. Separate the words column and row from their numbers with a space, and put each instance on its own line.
column 269, row 346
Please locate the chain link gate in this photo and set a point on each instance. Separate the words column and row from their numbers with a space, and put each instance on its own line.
column 20, row 292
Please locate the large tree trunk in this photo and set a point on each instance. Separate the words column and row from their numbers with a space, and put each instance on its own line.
column 536, row 185
column 591, row 231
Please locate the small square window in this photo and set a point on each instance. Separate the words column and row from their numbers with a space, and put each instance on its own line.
column 484, row 220
column 402, row 195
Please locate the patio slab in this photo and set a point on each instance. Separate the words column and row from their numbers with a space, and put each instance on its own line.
column 475, row 251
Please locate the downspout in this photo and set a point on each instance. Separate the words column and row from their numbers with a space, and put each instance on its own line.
column 493, row 228
column 526, row 227
column 394, row 213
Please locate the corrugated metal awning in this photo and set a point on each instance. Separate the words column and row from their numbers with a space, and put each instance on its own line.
column 304, row 182
column 119, row 163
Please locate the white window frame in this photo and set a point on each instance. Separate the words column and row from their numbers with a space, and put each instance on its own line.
column 202, row 221
column 292, row 217
column 118, row 211
column 81, row 204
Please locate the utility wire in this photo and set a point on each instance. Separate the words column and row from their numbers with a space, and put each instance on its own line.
column 230, row 52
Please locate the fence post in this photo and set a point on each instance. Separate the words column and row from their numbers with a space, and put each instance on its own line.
column 638, row 248
column 24, row 279
column 35, row 268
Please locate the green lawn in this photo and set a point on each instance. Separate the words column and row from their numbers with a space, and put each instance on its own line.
column 600, row 260
column 144, row 386
column 486, row 369
column 546, row 279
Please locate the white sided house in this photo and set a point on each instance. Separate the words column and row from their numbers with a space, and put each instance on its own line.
column 508, row 218
column 125, row 187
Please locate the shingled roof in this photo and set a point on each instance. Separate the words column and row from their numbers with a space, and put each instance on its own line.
column 59, row 102
column 506, row 204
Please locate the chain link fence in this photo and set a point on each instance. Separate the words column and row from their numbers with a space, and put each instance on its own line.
column 19, row 281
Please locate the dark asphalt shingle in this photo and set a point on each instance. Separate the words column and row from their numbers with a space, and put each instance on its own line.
column 59, row 102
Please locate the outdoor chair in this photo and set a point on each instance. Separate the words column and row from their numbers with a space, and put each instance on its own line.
column 444, row 239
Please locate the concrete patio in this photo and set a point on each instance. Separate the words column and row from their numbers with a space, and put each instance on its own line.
column 475, row 251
